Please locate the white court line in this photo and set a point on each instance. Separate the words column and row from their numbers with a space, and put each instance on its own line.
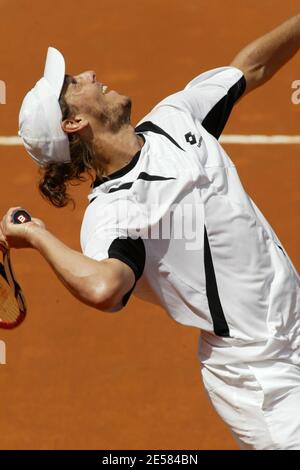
column 259, row 139
column 225, row 139
column 12, row 140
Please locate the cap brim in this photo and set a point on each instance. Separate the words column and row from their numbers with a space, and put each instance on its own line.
column 55, row 70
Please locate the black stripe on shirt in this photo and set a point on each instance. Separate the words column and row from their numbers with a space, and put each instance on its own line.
column 142, row 176
column 219, row 322
column 214, row 122
column 132, row 252
column 150, row 126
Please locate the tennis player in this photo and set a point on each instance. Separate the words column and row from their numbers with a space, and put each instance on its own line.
column 167, row 213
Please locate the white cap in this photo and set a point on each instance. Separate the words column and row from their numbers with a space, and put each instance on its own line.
column 40, row 114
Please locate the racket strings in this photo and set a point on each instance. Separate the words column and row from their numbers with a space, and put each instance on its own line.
column 12, row 301
column 9, row 311
column 2, row 272
column 13, row 283
column 9, row 272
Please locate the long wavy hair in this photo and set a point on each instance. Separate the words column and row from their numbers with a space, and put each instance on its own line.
column 57, row 176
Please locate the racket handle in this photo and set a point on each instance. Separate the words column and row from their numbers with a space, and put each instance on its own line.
column 20, row 216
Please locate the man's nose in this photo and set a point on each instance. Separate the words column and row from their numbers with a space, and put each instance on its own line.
column 89, row 76
column 92, row 75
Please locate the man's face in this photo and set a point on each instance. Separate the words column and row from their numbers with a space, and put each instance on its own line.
column 94, row 100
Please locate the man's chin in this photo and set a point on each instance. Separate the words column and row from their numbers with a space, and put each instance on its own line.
column 114, row 93
column 127, row 105
column 120, row 100
column 127, row 100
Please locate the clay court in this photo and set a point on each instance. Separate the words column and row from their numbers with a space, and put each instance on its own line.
column 77, row 378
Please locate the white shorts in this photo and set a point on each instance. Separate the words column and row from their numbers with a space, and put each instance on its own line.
column 260, row 402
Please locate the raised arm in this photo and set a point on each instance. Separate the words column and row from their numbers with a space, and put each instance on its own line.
column 261, row 59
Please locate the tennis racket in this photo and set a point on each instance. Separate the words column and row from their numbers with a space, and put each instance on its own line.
column 12, row 300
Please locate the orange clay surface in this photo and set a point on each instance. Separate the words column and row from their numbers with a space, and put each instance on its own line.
column 76, row 378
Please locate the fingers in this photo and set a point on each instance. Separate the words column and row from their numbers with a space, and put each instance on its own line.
column 7, row 218
column 14, row 235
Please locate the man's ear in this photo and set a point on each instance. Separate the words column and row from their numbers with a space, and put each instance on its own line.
column 71, row 125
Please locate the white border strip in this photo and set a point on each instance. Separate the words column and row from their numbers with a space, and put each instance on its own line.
column 225, row 139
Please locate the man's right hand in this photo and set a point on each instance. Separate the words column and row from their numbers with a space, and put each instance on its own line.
column 18, row 235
